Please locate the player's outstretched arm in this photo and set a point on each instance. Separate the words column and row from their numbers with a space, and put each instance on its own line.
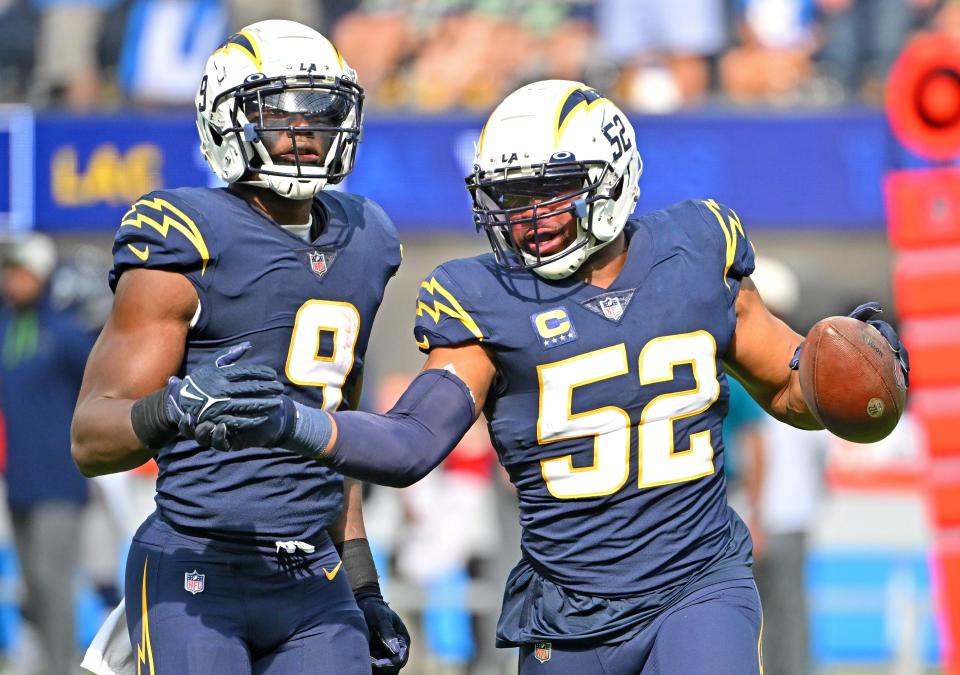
column 759, row 357
column 140, row 347
column 411, row 439
column 397, row 448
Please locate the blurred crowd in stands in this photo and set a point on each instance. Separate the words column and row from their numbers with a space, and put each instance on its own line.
column 439, row 55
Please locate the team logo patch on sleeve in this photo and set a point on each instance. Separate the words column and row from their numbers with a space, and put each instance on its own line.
column 542, row 651
column 193, row 582
column 610, row 306
column 553, row 327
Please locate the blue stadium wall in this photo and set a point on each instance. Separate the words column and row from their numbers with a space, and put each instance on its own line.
column 820, row 171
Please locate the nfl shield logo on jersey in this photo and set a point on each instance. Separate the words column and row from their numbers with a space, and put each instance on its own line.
column 193, row 582
column 542, row 651
column 611, row 308
column 318, row 263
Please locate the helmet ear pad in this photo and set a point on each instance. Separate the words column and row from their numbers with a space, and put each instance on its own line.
column 612, row 214
column 233, row 166
column 228, row 161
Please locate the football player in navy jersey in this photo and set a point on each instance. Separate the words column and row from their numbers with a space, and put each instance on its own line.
column 254, row 562
column 596, row 346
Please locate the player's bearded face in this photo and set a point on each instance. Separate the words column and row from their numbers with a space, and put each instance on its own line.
column 548, row 225
column 298, row 127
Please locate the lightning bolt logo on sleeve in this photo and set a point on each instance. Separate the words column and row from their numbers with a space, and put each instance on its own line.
column 168, row 217
column 731, row 227
column 445, row 304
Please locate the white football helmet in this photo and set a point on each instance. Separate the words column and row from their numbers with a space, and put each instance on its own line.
column 559, row 144
column 271, row 78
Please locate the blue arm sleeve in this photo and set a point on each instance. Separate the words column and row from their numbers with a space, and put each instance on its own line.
column 404, row 445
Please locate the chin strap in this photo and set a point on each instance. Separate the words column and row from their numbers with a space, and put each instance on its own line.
column 597, row 245
column 561, row 268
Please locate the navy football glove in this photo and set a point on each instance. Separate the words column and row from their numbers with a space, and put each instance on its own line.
column 389, row 639
column 865, row 313
column 221, row 387
column 217, row 387
column 271, row 420
column 279, row 422
column 264, row 423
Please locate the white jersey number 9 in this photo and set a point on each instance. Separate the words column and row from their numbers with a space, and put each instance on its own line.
column 321, row 350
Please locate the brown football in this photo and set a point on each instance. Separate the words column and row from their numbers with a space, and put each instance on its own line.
column 851, row 380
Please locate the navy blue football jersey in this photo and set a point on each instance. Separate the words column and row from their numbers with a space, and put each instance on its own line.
column 607, row 406
column 307, row 309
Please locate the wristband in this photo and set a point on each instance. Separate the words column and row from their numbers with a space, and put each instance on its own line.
column 357, row 558
column 149, row 421
column 307, row 431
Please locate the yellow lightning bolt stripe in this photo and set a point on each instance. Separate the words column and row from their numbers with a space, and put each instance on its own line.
column 144, row 649
column 729, row 233
column 337, row 52
column 453, row 308
column 181, row 223
column 760, row 644
column 582, row 105
column 480, row 140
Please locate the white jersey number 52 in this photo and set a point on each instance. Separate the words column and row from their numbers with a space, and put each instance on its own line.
column 610, row 426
